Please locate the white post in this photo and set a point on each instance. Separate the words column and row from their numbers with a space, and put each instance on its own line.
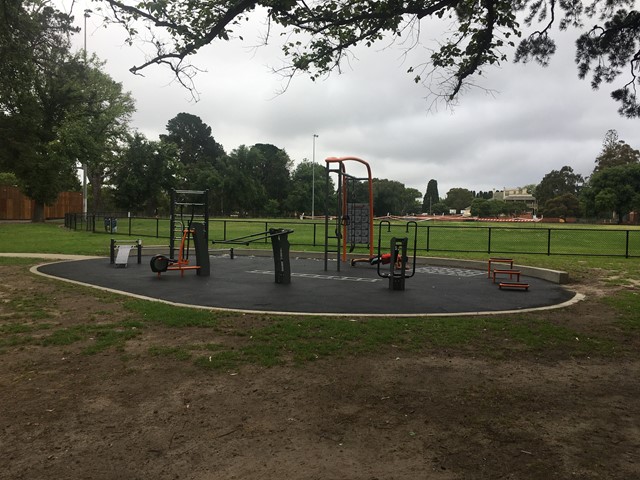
column 313, row 179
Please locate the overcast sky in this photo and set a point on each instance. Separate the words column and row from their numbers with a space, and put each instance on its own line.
column 537, row 119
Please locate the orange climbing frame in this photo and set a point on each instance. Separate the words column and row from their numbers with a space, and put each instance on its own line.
column 344, row 212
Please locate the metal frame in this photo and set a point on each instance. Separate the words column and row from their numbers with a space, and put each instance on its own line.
column 342, row 207
column 193, row 199
column 398, row 247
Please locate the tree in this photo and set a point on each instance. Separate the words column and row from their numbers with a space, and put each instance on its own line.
column 557, row 183
column 615, row 152
column 193, row 140
column 273, row 171
column 562, row 206
column 94, row 131
column 299, row 195
column 243, row 190
column 459, row 198
column 392, row 197
column 482, row 207
column 411, row 201
column 614, row 190
column 319, row 35
column 40, row 83
column 431, row 196
column 144, row 174
column 201, row 158
column 8, row 179
column 485, row 195
column 440, row 208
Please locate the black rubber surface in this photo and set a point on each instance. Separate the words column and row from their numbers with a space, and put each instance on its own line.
column 248, row 283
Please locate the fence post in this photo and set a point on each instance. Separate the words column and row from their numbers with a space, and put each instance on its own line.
column 129, row 223
column 549, row 242
column 314, row 233
column 626, row 254
column 428, row 236
column 489, row 241
column 112, row 251
column 157, row 227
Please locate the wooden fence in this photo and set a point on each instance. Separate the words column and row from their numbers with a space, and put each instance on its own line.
column 16, row 206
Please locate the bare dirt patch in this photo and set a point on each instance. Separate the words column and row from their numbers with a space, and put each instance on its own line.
column 440, row 414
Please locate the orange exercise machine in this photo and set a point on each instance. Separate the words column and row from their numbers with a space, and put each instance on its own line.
column 197, row 202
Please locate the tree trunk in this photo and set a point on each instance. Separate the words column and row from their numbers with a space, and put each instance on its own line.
column 96, row 191
column 38, row 213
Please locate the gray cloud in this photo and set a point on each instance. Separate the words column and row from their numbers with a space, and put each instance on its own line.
column 536, row 120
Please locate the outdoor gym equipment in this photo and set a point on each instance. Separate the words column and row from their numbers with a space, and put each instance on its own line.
column 508, row 261
column 354, row 220
column 161, row 263
column 510, row 285
column 511, row 273
column 513, row 286
column 119, row 251
column 197, row 202
column 397, row 273
column 280, row 244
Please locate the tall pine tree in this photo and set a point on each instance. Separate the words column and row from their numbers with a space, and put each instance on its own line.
column 431, row 197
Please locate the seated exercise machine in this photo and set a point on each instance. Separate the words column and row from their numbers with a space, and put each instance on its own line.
column 197, row 202
column 398, row 271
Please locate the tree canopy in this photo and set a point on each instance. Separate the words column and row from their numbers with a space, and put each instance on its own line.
column 318, row 35
column 459, row 198
column 615, row 152
column 431, row 197
column 557, row 183
column 95, row 130
column 144, row 173
column 614, row 190
column 39, row 86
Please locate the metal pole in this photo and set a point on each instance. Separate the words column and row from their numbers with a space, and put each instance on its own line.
column 84, row 165
column 313, row 179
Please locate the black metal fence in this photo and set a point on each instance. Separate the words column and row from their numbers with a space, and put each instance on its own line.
column 534, row 239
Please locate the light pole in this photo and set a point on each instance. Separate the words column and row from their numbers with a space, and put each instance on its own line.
column 84, row 165
column 313, row 179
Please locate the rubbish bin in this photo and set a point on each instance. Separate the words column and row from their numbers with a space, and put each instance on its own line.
column 111, row 224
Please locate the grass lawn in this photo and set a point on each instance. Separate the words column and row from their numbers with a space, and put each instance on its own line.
column 431, row 237
column 269, row 344
column 100, row 385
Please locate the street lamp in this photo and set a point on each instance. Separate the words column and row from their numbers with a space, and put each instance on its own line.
column 313, row 179
column 84, row 165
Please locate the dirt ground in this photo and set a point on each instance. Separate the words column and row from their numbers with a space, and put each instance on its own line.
column 394, row 415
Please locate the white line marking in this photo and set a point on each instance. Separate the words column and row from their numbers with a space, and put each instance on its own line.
column 321, row 277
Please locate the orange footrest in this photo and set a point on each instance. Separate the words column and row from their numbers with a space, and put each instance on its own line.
column 514, row 285
column 511, row 273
